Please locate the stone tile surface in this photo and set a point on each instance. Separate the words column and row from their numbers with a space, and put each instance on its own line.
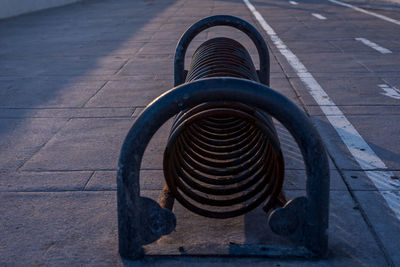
column 86, row 144
column 73, row 80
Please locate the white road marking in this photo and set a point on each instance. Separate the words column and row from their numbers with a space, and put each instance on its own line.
column 389, row 91
column 374, row 46
column 366, row 12
column 293, row 2
column 318, row 16
column 358, row 147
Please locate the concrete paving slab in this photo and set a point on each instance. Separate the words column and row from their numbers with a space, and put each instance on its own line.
column 317, row 33
column 108, row 112
column 154, row 180
column 67, row 237
column 106, row 180
column 33, row 92
column 144, row 66
column 21, row 138
column 338, row 63
column 381, row 110
column 173, row 36
column 284, row 87
column 82, row 144
column 128, row 93
column 335, row 147
column 44, row 181
column 103, row 181
column 64, row 66
column 349, row 91
column 94, row 148
column 378, row 133
column 355, row 47
column 296, row 180
column 105, row 48
column 58, row 229
column 381, row 136
column 290, row 150
column 62, row 45
column 358, row 180
column 161, row 48
column 312, row 47
column 381, row 218
column 387, row 62
column 89, row 41
column 344, row 222
column 391, row 80
column 153, row 155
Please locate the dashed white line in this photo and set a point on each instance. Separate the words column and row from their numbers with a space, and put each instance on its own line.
column 366, row 12
column 358, row 147
column 293, row 2
column 318, row 16
column 389, row 91
column 374, row 46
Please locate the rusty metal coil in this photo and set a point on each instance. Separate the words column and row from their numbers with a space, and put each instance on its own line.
column 221, row 57
column 223, row 159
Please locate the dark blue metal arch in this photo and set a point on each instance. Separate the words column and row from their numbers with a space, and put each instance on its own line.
column 221, row 20
column 130, row 208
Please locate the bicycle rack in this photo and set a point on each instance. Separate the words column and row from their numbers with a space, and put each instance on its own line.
column 223, row 156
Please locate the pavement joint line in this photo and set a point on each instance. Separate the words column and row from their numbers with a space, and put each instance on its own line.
column 359, row 115
column 389, row 91
column 366, row 12
column 63, row 170
column 372, row 170
column 117, row 72
column 97, row 117
column 44, row 144
column 66, row 117
column 88, row 180
column 364, row 215
column 114, row 189
column 133, row 112
column 64, row 191
column 358, row 105
column 95, row 93
column 318, row 16
column 357, row 146
column 70, row 108
column 373, row 45
column 123, row 65
column 95, row 170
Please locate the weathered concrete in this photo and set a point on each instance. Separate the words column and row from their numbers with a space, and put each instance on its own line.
column 73, row 79
column 11, row 8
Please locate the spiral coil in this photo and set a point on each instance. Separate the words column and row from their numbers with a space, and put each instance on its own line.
column 223, row 159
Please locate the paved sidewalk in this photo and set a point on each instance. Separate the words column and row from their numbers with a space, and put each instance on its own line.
column 72, row 81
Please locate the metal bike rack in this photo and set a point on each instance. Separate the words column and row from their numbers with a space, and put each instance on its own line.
column 223, row 156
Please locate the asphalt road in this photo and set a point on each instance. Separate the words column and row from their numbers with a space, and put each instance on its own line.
column 73, row 80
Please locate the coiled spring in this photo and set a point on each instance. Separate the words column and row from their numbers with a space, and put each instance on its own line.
column 223, row 159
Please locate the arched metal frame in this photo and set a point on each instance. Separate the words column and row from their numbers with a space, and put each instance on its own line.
column 142, row 221
column 221, row 20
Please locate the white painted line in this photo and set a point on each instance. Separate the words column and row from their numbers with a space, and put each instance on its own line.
column 389, row 91
column 366, row 12
column 293, row 2
column 318, row 16
column 374, row 46
column 358, row 147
